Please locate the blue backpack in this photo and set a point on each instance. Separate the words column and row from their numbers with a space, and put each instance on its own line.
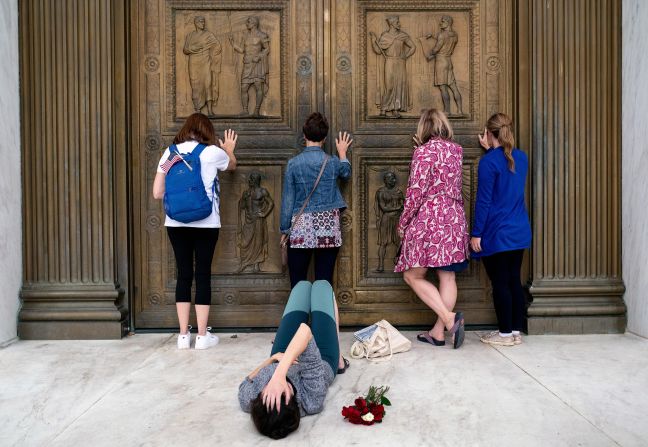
column 185, row 198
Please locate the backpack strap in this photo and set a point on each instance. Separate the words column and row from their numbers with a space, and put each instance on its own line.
column 198, row 149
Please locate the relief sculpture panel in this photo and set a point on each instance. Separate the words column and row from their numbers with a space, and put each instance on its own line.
column 255, row 206
column 227, row 63
column 248, row 240
column 388, row 205
column 417, row 59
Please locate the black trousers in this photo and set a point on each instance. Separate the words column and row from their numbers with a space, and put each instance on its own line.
column 189, row 243
column 299, row 258
column 503, row 269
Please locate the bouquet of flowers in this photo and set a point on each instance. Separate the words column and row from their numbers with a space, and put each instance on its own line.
column 369, row 409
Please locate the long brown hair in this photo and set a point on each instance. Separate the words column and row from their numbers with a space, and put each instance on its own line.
column 196, row 128
column 500, row 126
column 433, row 124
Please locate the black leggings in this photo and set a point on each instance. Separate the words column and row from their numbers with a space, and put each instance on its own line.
column 299, row 258
column 504, row 272
column 187, row 241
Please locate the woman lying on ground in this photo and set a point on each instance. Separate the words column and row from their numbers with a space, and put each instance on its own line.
column 294, row 381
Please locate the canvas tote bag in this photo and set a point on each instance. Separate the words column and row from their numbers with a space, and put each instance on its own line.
column 382, row 345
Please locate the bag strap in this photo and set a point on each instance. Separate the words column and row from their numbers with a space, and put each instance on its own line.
column 198, row 150
column 319, row 176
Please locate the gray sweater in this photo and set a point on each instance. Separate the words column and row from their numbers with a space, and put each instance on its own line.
column 311, row 378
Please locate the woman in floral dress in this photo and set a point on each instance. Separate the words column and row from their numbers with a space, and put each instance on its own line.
column 433, row 225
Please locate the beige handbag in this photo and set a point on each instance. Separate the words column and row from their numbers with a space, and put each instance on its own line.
column 383, row 343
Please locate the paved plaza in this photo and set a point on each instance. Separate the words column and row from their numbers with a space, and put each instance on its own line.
column 588, row 390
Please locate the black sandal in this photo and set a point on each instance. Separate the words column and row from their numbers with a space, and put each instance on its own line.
column 458, row 330
column 346, row 366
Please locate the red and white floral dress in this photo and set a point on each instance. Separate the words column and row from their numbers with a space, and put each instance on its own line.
column 433, row 223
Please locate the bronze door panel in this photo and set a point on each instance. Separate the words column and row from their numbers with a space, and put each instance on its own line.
column 260, row 67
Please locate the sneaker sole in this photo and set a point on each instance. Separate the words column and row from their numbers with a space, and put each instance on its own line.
column 497, row 343
column 201, row 348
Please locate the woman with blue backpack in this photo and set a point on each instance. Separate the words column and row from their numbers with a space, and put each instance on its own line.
column 187, row 180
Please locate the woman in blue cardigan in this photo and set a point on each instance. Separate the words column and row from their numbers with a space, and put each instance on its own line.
column 501, row 229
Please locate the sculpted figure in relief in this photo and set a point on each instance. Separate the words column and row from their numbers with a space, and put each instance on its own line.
column 446, row 41
column 204, row 51
column 388, row 206
column 255, row 47
column 255, row 206
column 394, row 47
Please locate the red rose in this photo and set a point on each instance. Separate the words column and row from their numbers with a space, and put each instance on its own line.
column 378, row 412
column 360, row 403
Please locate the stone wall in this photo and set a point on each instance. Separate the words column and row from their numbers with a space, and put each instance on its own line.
column 10, row 209
column 635, row 163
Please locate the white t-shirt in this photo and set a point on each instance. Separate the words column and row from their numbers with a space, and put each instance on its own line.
column 212, row 160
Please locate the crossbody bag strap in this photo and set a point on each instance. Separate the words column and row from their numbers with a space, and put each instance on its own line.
column 319, row 176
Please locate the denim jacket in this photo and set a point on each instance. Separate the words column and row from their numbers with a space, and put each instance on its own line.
column 301, row 173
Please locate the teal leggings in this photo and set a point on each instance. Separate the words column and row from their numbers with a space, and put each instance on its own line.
column 316, row 301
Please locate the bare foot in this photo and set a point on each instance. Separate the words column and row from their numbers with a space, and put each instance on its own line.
column 438, row 336
column 450, row 322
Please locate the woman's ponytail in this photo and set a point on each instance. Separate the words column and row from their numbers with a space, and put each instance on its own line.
column 500, row 125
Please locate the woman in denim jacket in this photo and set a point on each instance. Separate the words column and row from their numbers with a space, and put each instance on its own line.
column 317, row 232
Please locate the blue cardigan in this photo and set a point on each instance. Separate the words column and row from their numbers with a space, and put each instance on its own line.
column 501, row 218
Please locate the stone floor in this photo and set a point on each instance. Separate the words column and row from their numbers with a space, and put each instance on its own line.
column 550, row 391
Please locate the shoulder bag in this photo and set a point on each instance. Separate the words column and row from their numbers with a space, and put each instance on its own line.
column 284, row 245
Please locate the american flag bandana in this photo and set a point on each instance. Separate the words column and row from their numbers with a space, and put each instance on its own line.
column 173, row 159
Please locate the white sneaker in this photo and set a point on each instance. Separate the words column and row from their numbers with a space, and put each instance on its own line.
column 184, row 340
column 206, row 341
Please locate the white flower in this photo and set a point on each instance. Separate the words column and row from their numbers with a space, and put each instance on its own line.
column 368, row 417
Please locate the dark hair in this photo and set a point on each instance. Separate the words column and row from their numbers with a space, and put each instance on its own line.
column 316, row 127
column 198, row 128
column 275, row 424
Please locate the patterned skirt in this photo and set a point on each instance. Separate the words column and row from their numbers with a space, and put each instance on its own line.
column 319, row 229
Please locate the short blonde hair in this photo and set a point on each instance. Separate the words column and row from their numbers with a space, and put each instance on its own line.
column 433, row 124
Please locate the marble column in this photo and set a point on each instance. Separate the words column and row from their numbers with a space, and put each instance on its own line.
column 569, row 59
column 73, row 127
column 635, row 163
column 10, row 188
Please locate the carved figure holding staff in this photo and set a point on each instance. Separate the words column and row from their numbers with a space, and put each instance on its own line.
column 205, row 52
column 395, row 47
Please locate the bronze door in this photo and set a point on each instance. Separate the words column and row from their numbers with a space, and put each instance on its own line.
column 260, row 67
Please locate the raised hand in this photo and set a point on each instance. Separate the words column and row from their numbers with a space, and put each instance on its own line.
column 342, row 143
column 483, row 139
column 230, row 140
